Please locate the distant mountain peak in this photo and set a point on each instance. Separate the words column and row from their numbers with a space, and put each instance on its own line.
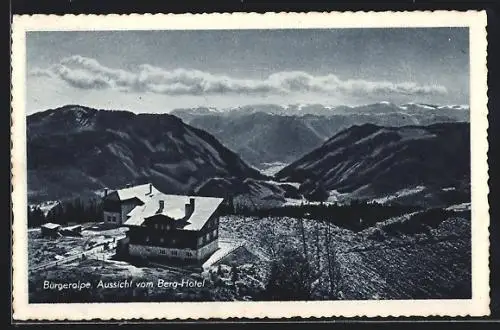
column 73, row 150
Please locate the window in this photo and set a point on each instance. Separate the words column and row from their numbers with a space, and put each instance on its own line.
column 167, row 227
column 156, row 226
column 214, row 233
column 174, row 252
column 163, row 251
column 162, row 240
column 189, row 254
column 207, row 237
column 147, row 239
column 174, row 241
column 200, row 241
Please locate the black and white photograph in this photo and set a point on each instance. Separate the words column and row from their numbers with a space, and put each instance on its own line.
column 248, row 165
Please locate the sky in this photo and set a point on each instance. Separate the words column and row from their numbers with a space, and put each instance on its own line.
column 158, row 71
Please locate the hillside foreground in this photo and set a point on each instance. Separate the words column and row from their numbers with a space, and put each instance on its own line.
column 385, row 261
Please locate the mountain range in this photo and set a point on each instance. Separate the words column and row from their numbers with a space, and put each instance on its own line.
column 429, row 164
column 75, row 150
column 267, row 134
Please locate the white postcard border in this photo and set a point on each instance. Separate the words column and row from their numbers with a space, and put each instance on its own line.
column 477, row 306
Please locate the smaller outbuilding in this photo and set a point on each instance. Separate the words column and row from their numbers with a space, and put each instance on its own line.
column 50, row 229
column 71, row 231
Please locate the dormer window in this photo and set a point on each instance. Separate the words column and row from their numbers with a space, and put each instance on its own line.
column 161, row 206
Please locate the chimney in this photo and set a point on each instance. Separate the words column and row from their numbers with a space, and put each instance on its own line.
column 128, row 185
column 105, row 192
column 150, row 189
column 190, row 207
column 161, row 205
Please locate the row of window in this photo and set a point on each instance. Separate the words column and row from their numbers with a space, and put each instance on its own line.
column 162, row 240
column 201, row 241
column 176, row 254
column 162, row 226
column 208, row 237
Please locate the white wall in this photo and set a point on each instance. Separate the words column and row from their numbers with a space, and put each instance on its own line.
column 145, row 251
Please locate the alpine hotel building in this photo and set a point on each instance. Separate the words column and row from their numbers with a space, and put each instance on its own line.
column 161, row 225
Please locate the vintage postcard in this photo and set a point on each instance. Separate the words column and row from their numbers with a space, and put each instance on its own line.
column 250, row 165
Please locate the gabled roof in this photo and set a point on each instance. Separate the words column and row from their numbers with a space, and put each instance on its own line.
column 173, row 213
column 73, row 227
column 50, row 225
column 141, row 192
column 174, row 208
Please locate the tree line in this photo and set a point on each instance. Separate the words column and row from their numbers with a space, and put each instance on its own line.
column 77, row 210
column 356, row 215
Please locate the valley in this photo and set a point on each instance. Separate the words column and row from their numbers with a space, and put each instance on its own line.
column 270, row 133
column 332, row 203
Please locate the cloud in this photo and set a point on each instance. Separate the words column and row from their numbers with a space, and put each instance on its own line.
column 41, row 73
column 87, row 73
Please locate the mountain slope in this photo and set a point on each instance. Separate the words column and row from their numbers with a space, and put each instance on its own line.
column 371, row 161
column 264, row 134
column 264, row 138
column 74, row 150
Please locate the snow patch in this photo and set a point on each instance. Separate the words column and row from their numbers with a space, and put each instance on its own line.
column 400, row 193
column 459, row 207
column 272, row 168
column 335, row 196
column 409, row 133
column 45, row 207
column 134, row 271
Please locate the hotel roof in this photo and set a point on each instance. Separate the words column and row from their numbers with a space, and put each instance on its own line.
column 174, row 208
column 141, row 192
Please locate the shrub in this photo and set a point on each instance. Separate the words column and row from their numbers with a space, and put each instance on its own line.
column 290, row 278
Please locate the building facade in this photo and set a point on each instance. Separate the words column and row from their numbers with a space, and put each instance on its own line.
column 165, row 226
column 117, row 204
column 50, row 230
column 176, row 227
